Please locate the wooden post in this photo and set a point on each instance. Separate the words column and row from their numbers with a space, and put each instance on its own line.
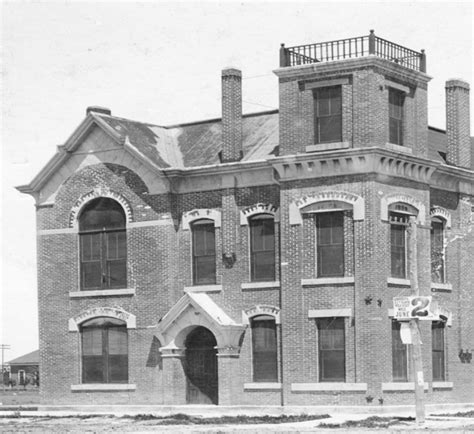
column 414, row 329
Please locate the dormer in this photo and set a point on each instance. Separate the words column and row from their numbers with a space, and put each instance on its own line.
column 353, row 93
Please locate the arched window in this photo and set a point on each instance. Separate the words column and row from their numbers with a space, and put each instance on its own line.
column 103, row 244
column 437, row 250
column 262, row 248
column 104, row 343
column 264, row 349
column 204, row 252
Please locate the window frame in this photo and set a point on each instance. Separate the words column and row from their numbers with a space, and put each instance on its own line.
column 318, row 97
column 252, row 223
column 197, row 281
column 441, row 252
column 404, row 225
column 106, row 356
column 257, row 355
column 399, row 103
column 398, row 354
column 101, row 238
column 322, row 352
column 438, row 325
column 320, row 246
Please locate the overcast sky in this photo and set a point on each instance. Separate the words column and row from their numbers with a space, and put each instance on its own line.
column 161, row 63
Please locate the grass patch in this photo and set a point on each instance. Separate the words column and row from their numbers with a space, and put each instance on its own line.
column 184, row 419
column 370, row 422
column 469, row 413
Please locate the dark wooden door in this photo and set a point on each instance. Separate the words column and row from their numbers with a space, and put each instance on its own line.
column 201, row 367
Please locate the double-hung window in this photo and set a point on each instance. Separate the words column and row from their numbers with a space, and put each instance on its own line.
column 399, row 354
column 331, row 345
column 262, row 248
column 103, row 245
column 395, row 116
column 264, row 349
column 437, row 251
column 398, row 244
column 330, row 244
column 104, row 351
column 437, row 342
column 204, row 252
column 328, row 115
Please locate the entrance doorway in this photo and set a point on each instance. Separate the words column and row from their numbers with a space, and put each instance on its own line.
column 201, row 367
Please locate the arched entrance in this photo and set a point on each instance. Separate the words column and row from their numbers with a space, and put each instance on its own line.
column 200, row 365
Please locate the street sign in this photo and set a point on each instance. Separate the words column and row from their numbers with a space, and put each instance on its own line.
column 418, row 306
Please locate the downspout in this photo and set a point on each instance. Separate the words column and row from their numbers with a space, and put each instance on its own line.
column 282, row 394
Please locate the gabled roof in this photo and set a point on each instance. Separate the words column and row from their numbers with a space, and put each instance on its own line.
column 27, row 359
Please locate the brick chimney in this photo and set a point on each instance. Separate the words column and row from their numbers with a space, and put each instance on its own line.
column 231, row 115
column 457, row 123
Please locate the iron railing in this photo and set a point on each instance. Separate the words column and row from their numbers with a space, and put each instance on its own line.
column 353, row 47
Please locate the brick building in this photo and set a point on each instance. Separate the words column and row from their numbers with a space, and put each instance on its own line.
column 254, row 258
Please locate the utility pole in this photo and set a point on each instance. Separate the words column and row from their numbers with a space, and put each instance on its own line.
column 414, row 328
column 3, row 347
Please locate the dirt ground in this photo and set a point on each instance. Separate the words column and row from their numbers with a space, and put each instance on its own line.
column 19, row 396
column 28, row 423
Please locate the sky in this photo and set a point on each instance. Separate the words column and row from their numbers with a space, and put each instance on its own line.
column 160, row 62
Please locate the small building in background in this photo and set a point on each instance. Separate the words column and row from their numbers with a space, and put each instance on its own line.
column 24, row 369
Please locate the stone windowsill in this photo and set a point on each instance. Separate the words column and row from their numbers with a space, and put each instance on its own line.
column 328, row 387
column 397, row 281
column 203, row 288
column 442, row 384
column 262, row 386
column 399, row 148
column 442, row 287
column 402, row 386
column 102, row 293
column 327, row 281
column 327, row 146
column 99, row 387
column 260, row 285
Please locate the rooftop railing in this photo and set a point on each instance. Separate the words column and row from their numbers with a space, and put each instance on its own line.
column 353, row 47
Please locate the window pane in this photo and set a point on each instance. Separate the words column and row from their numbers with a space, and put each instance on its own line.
column 92, row 342
column 330, row 128
column 204, row 239
column 263, row 266
column 93, row 369
column 102, row 213
column 399, row 354
column 437, row 342
column 117, row 340
column 398, row 250
column 395, row 113
column 90, row 247
column 437, row 252
column 330, row 244
column 116, row 245
column 331, row 349
column 264, row 350
column 118, row 369
column 328, row 115
column 262, row 246
column 91, row 275
column 204, row 270
column 117, row 273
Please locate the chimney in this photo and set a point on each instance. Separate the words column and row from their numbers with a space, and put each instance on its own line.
column 231, row 115
column 457, row 123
